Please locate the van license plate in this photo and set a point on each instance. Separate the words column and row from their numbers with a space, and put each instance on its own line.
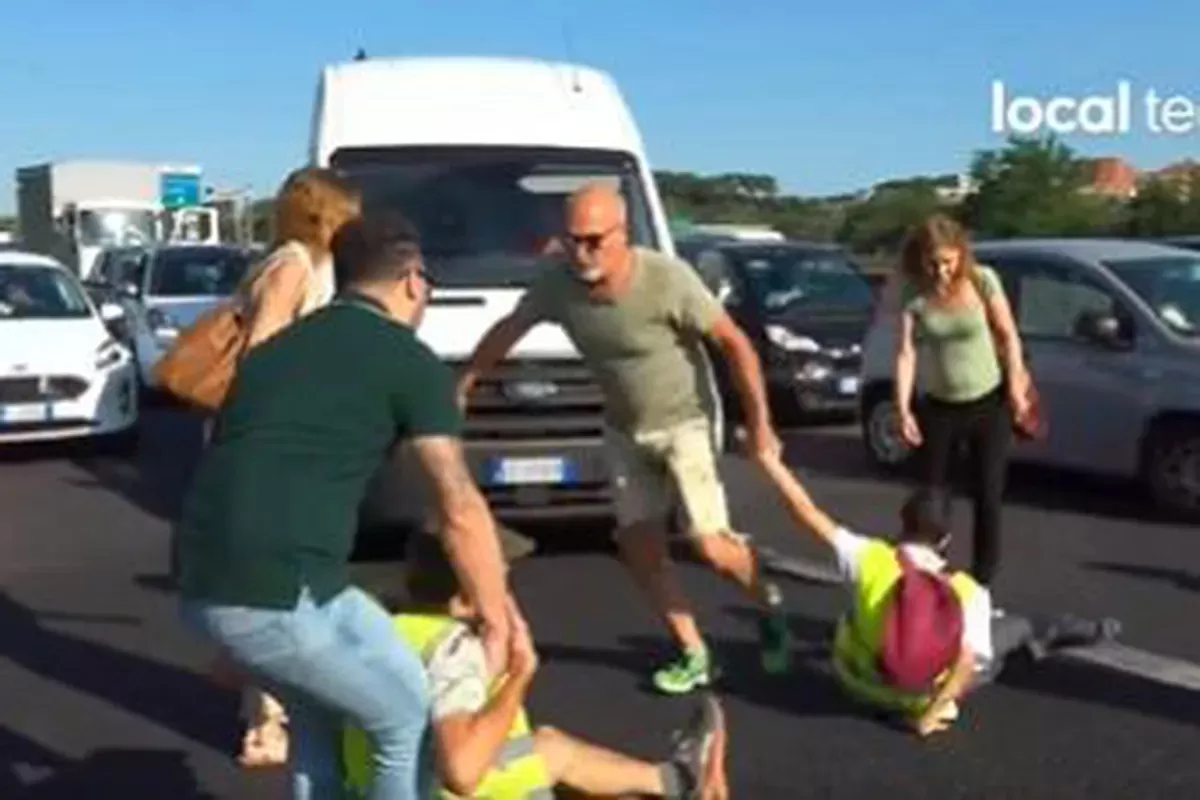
column 25, row 412
column 848, row 385
column 526, row 471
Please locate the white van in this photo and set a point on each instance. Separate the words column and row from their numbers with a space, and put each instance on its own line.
column 481, row 153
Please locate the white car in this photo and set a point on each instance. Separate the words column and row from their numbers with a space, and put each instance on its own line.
column 63, row 375
column 163, row 290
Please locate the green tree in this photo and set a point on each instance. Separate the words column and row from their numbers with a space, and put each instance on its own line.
column 1035, row 187
column 881, row 221
column 1165, row 207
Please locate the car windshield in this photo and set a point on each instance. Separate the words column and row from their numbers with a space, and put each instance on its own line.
column 40, row 293
column 782, row 278
column 197, row 271
column 1169, row 285
column 486, row 215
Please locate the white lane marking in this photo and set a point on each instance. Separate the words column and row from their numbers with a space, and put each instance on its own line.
column 1144, row 664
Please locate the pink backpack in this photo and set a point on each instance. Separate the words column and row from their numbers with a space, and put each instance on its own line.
column 922, row 628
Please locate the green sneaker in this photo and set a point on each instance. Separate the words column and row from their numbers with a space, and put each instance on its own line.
column 774, row 640
column 689, row 672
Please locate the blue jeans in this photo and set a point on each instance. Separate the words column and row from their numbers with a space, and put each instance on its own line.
column 332, row 664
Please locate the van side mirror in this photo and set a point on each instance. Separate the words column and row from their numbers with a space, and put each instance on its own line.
column 1102, row 328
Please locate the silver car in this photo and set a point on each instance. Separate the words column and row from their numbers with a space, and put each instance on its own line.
column 164, row 290
column 1111, row 330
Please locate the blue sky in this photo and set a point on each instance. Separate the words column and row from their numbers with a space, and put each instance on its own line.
column 826, row 96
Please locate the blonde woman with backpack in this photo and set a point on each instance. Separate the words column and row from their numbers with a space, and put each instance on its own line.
column 917, row 637
column 294, row 279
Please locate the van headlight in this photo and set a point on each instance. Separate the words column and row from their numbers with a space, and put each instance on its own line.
column 109, row 354
column 782, row 338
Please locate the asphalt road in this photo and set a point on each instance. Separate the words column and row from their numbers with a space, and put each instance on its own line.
column 100, row 692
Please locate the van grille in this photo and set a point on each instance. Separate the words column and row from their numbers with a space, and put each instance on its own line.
column 536, row 399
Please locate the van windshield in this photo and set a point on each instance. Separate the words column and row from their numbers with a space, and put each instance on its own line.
column 487, row 214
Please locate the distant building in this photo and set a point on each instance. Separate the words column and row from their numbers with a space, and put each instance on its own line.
column 1111, row 177
column 1182, row 174
column 956, row 190
column 951, row 188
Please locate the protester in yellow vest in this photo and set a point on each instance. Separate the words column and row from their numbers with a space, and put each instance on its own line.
column 872, row 568
column 485, row 746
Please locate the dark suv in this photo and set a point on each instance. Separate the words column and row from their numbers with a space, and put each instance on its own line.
column 805, row 305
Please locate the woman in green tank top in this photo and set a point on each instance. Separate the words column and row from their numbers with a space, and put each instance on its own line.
column 958, row 311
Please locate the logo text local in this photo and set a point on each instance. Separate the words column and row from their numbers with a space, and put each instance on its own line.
column 1101, row 114
column 1098, row 114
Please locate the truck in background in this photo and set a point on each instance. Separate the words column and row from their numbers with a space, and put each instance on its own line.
column 71, row 210
column 481, row 154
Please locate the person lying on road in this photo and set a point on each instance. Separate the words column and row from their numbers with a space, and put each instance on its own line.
column 484, row 742
column 917, row 638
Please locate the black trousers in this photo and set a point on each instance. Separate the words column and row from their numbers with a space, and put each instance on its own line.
column 984, row 427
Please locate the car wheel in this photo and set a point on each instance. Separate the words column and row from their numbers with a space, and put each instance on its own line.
column 123, row 444
column 881, row 434
column 1172, row 469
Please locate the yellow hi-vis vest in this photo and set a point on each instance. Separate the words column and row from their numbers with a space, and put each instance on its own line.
column 856, row 643
column 519, row 773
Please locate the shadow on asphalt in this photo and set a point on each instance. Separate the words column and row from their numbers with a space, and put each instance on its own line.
column 31, row 772
column 1182, row 579
column 808, row 690
column 173, row 698
column 157, row 479
column 811, row 690
column 1122, row 691
column 838, row 453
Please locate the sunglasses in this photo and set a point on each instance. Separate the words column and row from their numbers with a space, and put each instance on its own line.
column 591, row 241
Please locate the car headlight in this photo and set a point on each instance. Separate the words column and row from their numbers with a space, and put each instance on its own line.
column 162, row 326
column 794, row 343
column 814, row 371
column 109, row 354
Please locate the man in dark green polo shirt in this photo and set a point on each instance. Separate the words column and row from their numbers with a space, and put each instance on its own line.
column 268, row 528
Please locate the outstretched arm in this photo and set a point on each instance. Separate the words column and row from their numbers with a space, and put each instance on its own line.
column 468, row 533
column 799, row 503
column 746, row 369
column 496, row 343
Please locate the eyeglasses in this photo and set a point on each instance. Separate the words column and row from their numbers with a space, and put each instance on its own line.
column 591, row 241
column 422, row 273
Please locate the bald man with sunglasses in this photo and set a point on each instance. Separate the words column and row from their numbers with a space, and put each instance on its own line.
column 639, row 318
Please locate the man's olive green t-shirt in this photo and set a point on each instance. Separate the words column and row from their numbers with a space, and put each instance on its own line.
column 312, row 415
column 645, row 348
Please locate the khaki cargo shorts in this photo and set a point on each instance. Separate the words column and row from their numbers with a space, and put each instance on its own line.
column 656, row 471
